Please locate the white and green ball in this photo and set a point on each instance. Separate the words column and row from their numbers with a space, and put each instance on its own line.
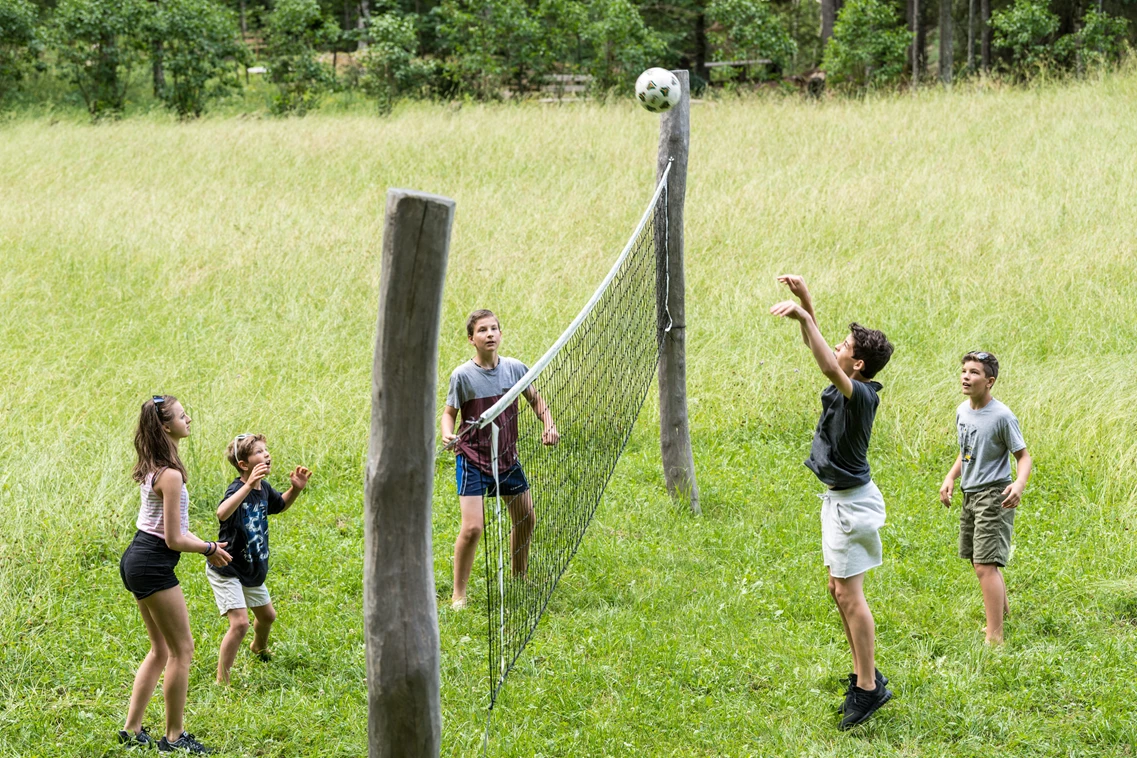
column 657, row 89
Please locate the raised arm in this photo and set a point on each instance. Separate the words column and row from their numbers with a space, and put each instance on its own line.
column 822, row 353
column 230, row 504
column 798, row 289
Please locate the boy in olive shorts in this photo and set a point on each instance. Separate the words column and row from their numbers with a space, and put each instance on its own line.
column 988, row 431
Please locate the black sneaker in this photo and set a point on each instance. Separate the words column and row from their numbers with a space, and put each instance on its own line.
column 186, row 742
column 139, row 739
column 861, row 704
column 851, row 680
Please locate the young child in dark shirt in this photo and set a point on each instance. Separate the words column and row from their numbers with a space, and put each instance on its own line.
column 243, row 513
column 852, row 510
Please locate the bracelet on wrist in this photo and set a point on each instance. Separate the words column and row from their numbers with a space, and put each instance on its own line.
column 209, row 548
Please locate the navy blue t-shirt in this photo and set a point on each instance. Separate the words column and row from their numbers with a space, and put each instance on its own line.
column 839, row 455
column 246, row 531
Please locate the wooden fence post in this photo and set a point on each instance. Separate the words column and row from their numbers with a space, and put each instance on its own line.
column 674, row 431
column 400, row 612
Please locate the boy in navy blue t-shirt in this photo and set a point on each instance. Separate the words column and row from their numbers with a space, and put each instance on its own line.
column 243, row 513
column 852, row 510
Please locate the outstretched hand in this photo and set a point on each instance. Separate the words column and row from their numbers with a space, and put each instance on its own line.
column 796, row 285
column 789, row 309
column 299, row 478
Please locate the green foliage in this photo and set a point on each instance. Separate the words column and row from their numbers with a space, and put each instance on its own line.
column 493, row 44
column 1026, row 30
column 99, row 42
column 388, row 63
column 19, row 42
column 198, row 39
column 293, row 33
column 750, row 29
column 868, row 47
column 1101, row 41
column 621, row 44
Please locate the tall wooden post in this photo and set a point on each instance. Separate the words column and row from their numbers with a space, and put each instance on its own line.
column 400, row 615
column 674, row 430
column 946, row 57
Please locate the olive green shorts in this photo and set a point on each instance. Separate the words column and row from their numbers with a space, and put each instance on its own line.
column 985, row 526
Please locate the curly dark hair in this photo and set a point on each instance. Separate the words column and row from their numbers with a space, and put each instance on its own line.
column 872, row 347
column 989, row 362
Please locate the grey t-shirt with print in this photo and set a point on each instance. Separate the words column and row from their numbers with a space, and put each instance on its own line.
column 986, row 438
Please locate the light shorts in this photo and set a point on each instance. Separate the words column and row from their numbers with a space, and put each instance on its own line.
column 850, row 530
column 985, row 526
column 230, row 594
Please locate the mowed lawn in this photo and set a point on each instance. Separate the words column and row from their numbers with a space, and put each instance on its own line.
column 235, row 262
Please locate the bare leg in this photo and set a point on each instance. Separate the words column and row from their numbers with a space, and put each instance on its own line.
column 168, row 609
column 148, row 672
column 850, row 596
column 231, row 643
column 845, row 623
column 524, row 520
column 264, row 615
column 994, row 599
column 466, row 546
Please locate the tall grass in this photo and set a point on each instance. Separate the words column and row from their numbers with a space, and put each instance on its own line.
column 234, row 263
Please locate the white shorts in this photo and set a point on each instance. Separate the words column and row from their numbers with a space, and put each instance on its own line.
column 230, row 594
column 850, row 530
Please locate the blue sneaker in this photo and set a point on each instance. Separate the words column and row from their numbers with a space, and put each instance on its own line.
column 186, row 742
column 137, row 739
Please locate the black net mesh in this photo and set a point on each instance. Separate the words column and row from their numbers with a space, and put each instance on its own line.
column 593, row 390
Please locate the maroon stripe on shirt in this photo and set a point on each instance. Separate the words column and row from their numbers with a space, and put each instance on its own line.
column 477, row 446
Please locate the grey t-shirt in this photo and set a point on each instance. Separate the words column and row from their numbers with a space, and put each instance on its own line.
column 986, row 437
column 474, row 390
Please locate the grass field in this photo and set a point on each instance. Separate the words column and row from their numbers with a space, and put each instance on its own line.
column 234, row 263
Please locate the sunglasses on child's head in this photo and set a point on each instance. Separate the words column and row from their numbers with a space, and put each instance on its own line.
column 980, row 355
column 158, row 399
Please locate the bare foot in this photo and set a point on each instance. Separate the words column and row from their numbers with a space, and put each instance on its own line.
column 458, row 603
column 264, row 655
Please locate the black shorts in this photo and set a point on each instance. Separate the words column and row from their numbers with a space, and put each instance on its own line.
column 147, row 566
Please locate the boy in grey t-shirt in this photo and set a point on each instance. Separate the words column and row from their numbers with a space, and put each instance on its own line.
column 988, row 431
column 475, row 387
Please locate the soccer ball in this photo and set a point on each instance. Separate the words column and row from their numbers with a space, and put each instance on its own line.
column 657, row 89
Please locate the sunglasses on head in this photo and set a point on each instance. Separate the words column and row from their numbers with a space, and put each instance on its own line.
column 980, row 356
column 158, row 399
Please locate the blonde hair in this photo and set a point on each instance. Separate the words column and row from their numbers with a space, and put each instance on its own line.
column 241, row 448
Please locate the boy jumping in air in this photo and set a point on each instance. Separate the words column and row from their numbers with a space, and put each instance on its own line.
column 852, row 510
column 988, row 431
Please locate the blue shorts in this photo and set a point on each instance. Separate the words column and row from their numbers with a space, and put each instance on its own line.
column 472, row 481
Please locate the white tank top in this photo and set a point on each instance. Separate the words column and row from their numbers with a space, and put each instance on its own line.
column 150, row 516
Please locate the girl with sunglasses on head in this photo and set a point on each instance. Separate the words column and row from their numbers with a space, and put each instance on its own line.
column 147, row 570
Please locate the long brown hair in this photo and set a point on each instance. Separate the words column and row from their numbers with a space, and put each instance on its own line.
column 155, row 449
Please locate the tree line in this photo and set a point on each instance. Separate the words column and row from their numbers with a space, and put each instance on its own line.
column 196, row 50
